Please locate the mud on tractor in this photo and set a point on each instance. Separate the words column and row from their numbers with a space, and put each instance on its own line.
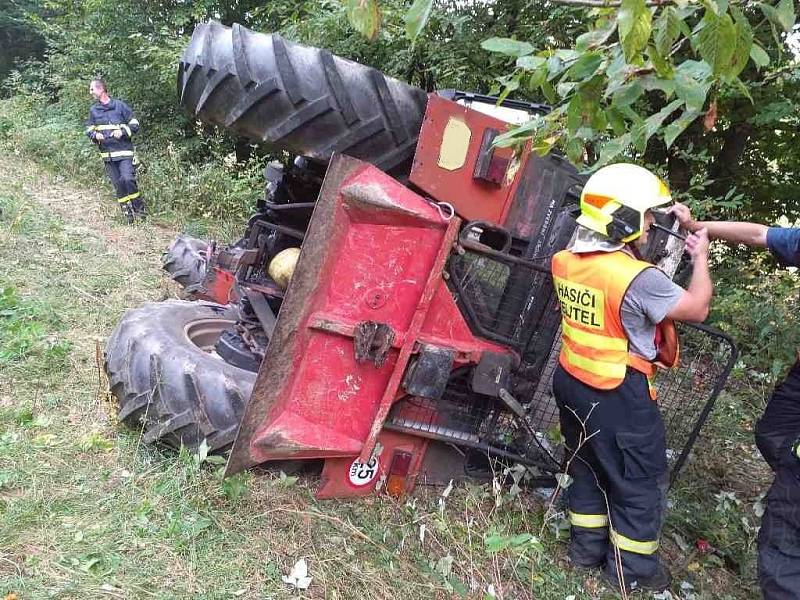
column 389, row 309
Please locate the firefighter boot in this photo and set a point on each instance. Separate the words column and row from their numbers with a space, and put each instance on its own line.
column 139, row 209
column 587, row 547
column 658, row 581
column 127, row 211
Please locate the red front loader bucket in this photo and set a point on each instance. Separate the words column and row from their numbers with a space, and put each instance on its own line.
column 366, row 292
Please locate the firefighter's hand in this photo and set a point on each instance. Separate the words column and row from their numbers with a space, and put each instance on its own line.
column 684, row 216
column 116, row 134
column 99, row 137
column 697, row 244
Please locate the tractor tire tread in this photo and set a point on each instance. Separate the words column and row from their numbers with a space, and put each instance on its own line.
column 167, row 387
column 299, row 99
column 185, row 262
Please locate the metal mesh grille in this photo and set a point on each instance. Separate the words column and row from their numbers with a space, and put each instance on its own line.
column 496, row 295
column 471, row 420
column 686, row 393
column 686, row 396
column 511, row 301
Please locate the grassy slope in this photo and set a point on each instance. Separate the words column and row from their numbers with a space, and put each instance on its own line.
column 87, row 512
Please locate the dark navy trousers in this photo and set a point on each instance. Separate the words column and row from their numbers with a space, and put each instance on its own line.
column 779, row 536
column 123, row 178
column 619, row 475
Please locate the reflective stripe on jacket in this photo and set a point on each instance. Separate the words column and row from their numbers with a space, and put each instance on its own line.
column 590, row 289
column 107, row 118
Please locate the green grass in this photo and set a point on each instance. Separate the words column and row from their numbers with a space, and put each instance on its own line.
column 88, row 511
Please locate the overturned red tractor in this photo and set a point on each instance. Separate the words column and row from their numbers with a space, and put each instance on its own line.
column 389, row 309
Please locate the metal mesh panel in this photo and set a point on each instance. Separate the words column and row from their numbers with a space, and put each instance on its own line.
column 504, row 298
column 686, row 396
column 471, row 420
column 511, row 300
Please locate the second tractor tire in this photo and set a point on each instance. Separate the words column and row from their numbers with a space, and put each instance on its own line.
column 168, row 381
column 185, row 261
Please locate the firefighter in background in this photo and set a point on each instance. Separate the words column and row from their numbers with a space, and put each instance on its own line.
column 778, row 430
column 617, row 313
column 111, row 126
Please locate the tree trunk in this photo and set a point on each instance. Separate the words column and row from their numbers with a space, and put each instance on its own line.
column 723, row 170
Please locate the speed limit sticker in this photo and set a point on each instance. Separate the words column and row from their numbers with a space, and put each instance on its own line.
column 361, row 474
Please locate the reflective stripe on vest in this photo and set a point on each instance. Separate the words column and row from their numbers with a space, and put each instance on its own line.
column 116, row 154
column 588, row 521
column 590, row 290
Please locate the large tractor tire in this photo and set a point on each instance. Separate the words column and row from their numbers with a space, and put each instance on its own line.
column 186, row 262
column 300, row 99
column 169, row 382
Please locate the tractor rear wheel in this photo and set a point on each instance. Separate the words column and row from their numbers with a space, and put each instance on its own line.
column 185, row 261
column 299, row 99
column 169, row 382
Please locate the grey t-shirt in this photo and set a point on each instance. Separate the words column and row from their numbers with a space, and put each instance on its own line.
column 649, row 298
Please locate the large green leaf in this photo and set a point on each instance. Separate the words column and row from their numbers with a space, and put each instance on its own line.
column 781, row 15
column 616, row 121
column 716, row 42
column 654, row 82
column 611, row 149
column 787, row 14
column 507, row 46
column 667, row 30
column 549, row 92
column 585, row 66
column 691, row 83
column 627, row 94
column 661, row 64
column 574, row 149
column 530, row 62
column 595, row 37
column 365, row 17
column 759, row 56
column 635, row 24
column 679, row 125
column 644, row 131
column 744, row 43
column 537, row 78
column 417, row 16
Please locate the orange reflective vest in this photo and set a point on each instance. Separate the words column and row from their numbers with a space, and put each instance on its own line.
column 590, row 288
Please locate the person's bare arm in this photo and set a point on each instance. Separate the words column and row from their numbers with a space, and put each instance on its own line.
column 696, row 300
column 738, row 232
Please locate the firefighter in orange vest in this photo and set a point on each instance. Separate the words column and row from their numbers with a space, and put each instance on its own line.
column 617, row 325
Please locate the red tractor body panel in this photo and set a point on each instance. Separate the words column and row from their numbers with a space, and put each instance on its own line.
column 367, row 292
column 455, row 163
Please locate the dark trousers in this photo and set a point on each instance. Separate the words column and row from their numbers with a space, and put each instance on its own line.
column 123, row 178
column 779, row 537
column 620, row 473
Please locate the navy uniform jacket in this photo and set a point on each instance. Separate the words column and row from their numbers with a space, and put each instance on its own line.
column 107, row 118
column 780, row 425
